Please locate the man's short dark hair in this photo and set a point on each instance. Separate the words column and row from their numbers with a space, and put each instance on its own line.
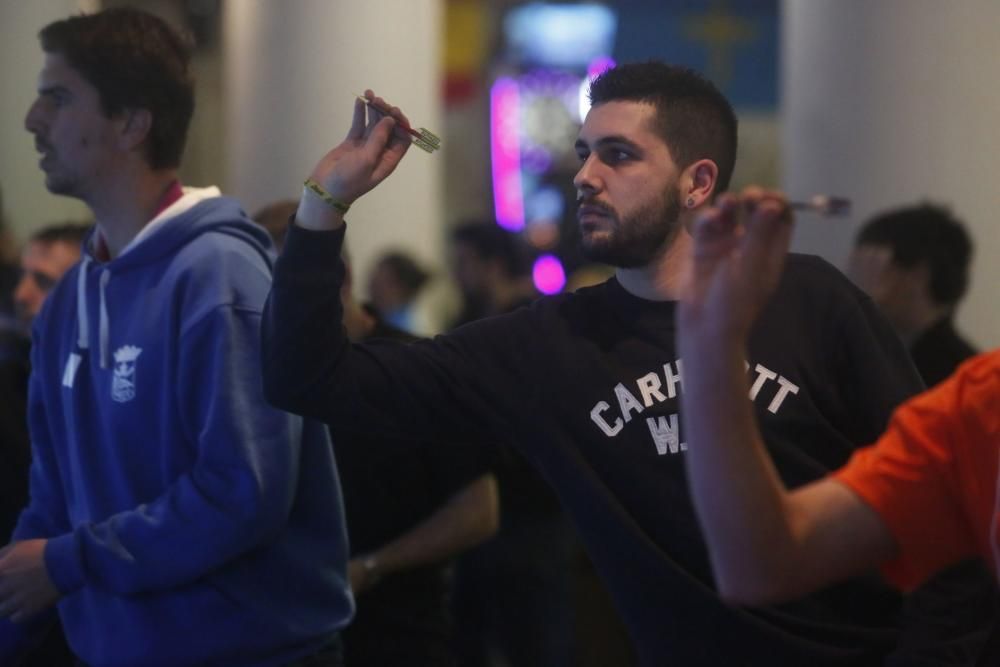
column 135, row 61
column 930, row 235
column 695, row 120
column 491, row 242
column 406, row 270
column 70, row 233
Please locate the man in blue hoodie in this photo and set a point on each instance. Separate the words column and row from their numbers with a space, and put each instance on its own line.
column 175, row 519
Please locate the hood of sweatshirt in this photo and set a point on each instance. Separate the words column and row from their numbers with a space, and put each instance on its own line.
column 198, row 211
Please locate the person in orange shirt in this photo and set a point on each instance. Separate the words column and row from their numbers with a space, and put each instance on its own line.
column 922, row 497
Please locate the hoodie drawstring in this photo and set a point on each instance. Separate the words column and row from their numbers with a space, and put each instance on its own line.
column 82, row 319
column 82, row 323
column 103, row 331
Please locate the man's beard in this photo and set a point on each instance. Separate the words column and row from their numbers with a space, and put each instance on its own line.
column 636, row 240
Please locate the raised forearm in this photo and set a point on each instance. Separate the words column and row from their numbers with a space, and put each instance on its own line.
column 317, row 215
column 766, row 544
column 738, row 496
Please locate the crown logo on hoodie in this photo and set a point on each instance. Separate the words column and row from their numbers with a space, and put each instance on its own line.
column 123, row 378
column 127, row 354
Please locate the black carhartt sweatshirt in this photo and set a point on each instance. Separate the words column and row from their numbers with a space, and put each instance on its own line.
column 586, row 386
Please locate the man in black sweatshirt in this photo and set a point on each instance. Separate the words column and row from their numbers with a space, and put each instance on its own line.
column 586, row 385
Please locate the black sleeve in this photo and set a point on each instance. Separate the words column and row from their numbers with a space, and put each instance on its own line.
column 458, row 387
column 872, row 368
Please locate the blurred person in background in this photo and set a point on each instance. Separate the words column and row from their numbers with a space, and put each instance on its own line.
column 514, row 595
column 490, row 269
column 49, row 254
column 394, row 285
column 411, row 508
column 914, row 262
column 9, row 327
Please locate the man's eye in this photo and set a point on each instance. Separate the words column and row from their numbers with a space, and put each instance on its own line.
column 55, row 99
column 615, row 156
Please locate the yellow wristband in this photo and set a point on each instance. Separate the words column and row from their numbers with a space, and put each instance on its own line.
column 325, row 196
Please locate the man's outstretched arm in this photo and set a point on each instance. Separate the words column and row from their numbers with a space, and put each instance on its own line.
column 302, row 330
column 766, row 544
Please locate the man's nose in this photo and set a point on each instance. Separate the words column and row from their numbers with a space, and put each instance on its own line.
column 26, row 295
column 33, row 118
column 586, row 178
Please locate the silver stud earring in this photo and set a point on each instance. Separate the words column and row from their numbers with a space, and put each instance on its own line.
column 690, row 202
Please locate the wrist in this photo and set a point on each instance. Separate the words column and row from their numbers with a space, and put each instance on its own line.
column 315, row 214
column 315, row 188
column 372, row 568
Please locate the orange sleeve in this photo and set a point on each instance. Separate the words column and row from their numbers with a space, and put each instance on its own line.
column 908, row 478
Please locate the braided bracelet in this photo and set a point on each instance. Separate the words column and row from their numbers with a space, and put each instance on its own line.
column 325, row 196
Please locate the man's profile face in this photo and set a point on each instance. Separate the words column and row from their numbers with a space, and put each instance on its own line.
column 626, row 186
column 72, row 134
column 42, row 265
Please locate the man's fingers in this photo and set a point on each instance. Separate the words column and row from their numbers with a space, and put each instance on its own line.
column 771, row 217
column 357, row 130
column 768, row 235
column 716, row 236
column 716, row 229
column 401, row 120
column 379, row 136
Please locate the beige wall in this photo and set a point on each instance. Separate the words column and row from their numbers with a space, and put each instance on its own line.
column 892, row 102
column 291, row 71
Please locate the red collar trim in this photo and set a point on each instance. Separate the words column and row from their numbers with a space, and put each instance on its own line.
column 173, row 193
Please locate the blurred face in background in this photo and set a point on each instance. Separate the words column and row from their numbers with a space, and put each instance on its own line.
column 893, row 288
column 386, row 291
column 42, row 265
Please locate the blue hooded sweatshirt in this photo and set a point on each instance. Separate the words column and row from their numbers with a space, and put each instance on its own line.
column 189, row 522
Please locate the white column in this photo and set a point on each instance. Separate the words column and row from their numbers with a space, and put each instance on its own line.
column 292, row 70
column 890, row 103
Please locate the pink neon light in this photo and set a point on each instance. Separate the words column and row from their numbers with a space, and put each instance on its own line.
column 599, row 65
column 505, row 151
column 548, row 274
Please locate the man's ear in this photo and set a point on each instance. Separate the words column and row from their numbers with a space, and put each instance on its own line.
column 136, row 126
column 697, row 183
